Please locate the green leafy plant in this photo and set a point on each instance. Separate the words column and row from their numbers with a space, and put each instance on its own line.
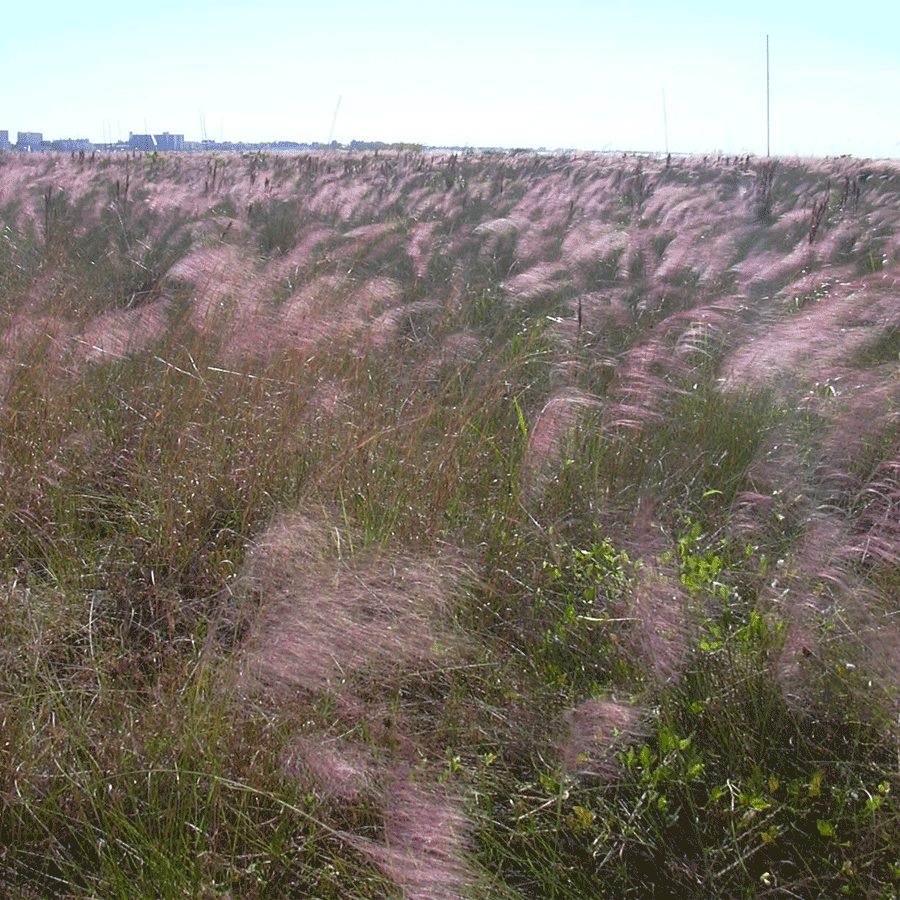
column 582, row 616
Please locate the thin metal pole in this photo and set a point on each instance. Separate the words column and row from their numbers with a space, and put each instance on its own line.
column 334, row 119
column 768, row 120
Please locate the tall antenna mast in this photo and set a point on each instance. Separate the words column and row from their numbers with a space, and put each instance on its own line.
column 334, row 119
column 768, row 146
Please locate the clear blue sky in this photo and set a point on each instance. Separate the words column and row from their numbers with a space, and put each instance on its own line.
column 585, row 75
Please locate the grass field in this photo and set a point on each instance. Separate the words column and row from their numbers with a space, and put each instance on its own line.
column 479, row 526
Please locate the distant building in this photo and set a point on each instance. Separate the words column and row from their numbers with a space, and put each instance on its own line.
column 71, row 144
column 4, row 140
column 145, row 142
column 166, row 141
column 29, row 141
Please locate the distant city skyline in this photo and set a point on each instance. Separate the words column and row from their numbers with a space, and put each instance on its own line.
column 37, row 141
column 687, row 77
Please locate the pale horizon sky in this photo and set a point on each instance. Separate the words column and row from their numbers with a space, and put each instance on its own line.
column 689, row 77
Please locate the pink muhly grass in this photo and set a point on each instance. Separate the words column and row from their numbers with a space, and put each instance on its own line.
column 229, row 305
column 419, row 246
column 687, row 252
column 554, row 425
column 658, row 602
column 332, row 619
column 309, row 249
column 597, row 732
column 541, row 279
column 818, row 338
column 674, row 206
column 368, row 234
column 459, row 350
column 324, row 619
column 342, row 771
column 504, row 228
column 604, row 312
column 329, row 310
column 537, row 246
column 876, row 527
column 426, row 843
column 351, row 201
column 410, row 321
column 329, row 403
column 645, row 382
column 590, row 241
column 118, row 335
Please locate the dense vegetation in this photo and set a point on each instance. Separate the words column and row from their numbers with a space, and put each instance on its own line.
column 468, row 526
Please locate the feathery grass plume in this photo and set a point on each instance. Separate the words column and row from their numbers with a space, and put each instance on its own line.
column 553, row 427
column 411, row 323
column 657, row 605
column 322, row 309
column 644, row 385
column 593, row 245
column 425, row 843
column 834, row 328
column 309, row 251
column 337, row 619
column 325, row 618
column 420, row 245
column 120, row 334
column 661, row 636
column 541, row 281
column 345, row 773
column 598, row 731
